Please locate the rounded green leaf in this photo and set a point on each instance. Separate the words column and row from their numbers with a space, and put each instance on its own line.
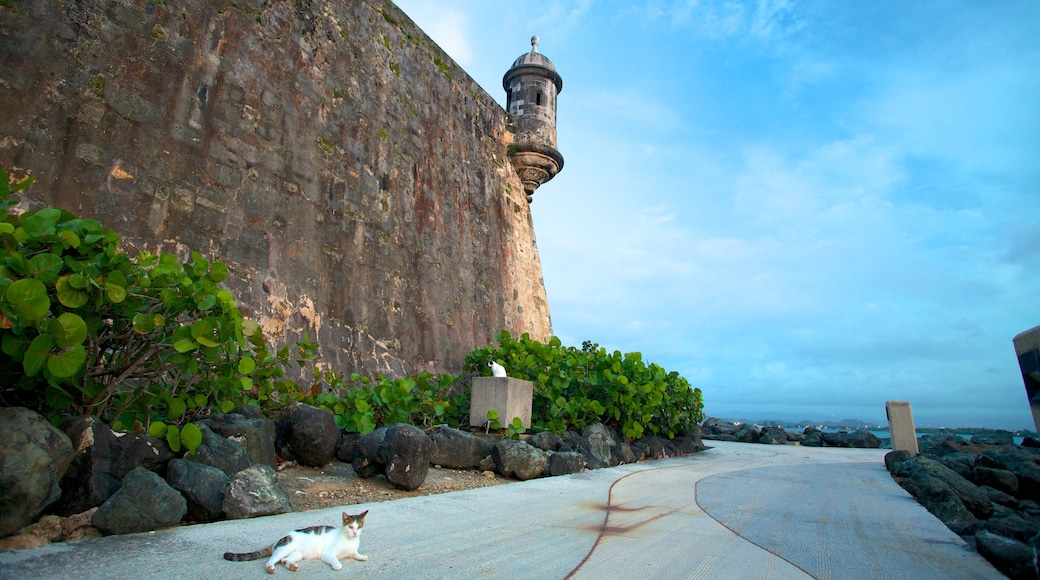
column 68, row 295
column 78, row 281
column 29, row 298
column 6, row 228
column 191, row 435
column 116, row 293
column 203, row 332
column 68, row 329
column 218, row 272
column 176, row 409
column 173, row 437
column 206, row 302
column 57, row 398
column 143, row 323
column 37, row 354
column 246, row 366
column 226, row 406
column 46, row 267
column 157, row 429
column 250, row 328
column 68, row 363
column 247, row 383
column 184, row 345
column 201, row 400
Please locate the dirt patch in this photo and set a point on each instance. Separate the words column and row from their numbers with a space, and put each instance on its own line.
column 337, row 484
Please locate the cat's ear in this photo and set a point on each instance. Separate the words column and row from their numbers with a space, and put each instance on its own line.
column 361, row 516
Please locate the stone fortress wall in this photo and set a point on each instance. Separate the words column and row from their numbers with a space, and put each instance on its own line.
column 355, row 180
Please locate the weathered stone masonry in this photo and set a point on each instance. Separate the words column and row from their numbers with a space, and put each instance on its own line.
column 354, row 179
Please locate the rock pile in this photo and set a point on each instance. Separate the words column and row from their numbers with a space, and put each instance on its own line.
column 84, row 475
column 720, row 430
column 986, row 490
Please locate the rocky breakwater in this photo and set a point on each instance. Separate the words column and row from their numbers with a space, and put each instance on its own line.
column 84, row 480
column 721, row 430
column 987, row 490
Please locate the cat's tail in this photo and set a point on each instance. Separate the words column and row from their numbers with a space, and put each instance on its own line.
column 263, row 553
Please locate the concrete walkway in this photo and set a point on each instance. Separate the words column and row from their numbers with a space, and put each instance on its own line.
column 734, row 511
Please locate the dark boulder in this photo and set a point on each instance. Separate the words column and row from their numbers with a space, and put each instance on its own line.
column 254, row 492
column 144, row 503
column 546, row 441
column 103, row 458
column 718, row 429
column 1023, row 462
column 656, row 448
column 597, row 440
column 997, row 437
column 34, row 455
column 1000, row 479
column 689, row 443
column 458, row 449
column 999, row 498
column 256, row 433
column 961, row 462
column 746, row 434
column 566, row 462
column 400, row 451
column 203, row 486
column 976, row 501
column 349, row 446
column 939, row 498
column 220, row 452
column 812, row 437
column 860, row 439
column 308, row 435
column 941, row 443
column 621, row 454
column 1013, row 558
column 898, row 462
column 1013, row 526
column 518, row 459
column 772, row 436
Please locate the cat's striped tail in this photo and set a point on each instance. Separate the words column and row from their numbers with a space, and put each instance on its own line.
column 264, row 553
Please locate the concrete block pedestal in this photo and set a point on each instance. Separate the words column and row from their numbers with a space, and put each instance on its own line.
column 510, row 397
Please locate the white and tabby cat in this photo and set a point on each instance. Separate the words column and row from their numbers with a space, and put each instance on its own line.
column 317, row 542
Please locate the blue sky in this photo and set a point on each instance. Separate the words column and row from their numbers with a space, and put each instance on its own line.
column 805, row 208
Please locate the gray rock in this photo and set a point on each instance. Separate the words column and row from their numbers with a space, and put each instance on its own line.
column 1000, row 479
column 89, row 480
column 1013, row 558
column 999, row 498
column 621, row 454
column 307, row 435
column 689, row 443
column 746, row 434
column 257, row 434
column 34, row 456
column 715, row 428
column 458, row 449
column 941, row 443
column 860, row 438
column 1023, row 462
column 255, row 492
column 655, row 446
column 772, row 436
column 400, row 451
column 349, row 444
column 546, row 441
column 518, row 459
column 812, row 438
column 203, row 486
column 597, row 442
column 898, row 462
column 998, row 437
column 961, row 462
column 566, row 462
column 144, row 503
column 948, row 496
column 1013, row 526
column 216, row 451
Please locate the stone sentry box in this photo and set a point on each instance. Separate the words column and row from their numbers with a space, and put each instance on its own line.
column 510, row 397
column 1027, row 348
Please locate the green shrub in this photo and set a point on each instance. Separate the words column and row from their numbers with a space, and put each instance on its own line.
column 87, row 330
column 574, row 387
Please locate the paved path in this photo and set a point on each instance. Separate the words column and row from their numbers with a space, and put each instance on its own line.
column 734, row 511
